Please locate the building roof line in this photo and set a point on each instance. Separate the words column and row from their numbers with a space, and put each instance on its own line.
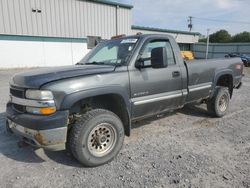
column 108, row 2
column 163, row 30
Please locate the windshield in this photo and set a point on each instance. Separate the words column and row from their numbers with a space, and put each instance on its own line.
column 114, row 52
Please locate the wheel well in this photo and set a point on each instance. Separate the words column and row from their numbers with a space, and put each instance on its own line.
column 226, row 81
column 111, row 102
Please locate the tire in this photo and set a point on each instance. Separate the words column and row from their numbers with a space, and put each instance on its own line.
column 219, row 103
column 245, row 63
column 96, row 138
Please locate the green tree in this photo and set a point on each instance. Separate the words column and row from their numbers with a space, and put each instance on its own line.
column 221, row 36
column 241, row 37
column 203, row 40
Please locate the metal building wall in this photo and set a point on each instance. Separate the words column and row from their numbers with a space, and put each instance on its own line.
column 180, row 38
column 21, row 51
column 219, row 50
column 63, row 18
column 124, row 21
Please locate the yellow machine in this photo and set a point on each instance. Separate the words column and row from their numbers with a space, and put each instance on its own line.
column 188, row 55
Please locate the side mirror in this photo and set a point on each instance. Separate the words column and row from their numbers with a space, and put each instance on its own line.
column 159, row 58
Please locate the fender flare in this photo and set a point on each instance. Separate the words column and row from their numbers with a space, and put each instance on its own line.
column 217, row 75
column 70, row 99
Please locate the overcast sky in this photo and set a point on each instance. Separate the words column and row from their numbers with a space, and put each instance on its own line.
column 173, row 14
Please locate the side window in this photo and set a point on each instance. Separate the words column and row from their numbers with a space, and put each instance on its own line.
column 155, row 44
column 171, row 60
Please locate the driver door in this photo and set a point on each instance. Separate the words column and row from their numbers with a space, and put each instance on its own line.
column 154, row 90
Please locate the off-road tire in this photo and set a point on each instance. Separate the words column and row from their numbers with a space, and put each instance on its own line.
column 81, row 133
column 215, row 106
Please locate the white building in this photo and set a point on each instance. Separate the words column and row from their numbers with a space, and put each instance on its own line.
column 54, row 32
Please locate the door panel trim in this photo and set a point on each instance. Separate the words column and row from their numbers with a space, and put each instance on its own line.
column 158, row 97
column 200, row 86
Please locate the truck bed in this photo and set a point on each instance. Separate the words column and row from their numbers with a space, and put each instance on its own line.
column 201, row 74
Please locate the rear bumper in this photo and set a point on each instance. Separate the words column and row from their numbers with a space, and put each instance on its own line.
column 239, row 85
column 48, row 132
column 237, row 81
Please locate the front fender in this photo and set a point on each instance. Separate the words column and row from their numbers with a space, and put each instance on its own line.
column 70, row 99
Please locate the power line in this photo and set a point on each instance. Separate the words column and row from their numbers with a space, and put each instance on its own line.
column 218, row 20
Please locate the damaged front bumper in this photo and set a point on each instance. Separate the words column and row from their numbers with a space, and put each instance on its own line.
column 48, row 132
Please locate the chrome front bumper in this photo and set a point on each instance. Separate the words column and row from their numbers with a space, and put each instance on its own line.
column 51, row 139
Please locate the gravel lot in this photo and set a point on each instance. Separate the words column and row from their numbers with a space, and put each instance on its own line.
column 185, row 148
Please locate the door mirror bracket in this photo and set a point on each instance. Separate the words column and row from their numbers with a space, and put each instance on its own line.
column 139, row 64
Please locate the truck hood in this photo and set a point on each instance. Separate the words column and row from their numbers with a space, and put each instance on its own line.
column 36, row 78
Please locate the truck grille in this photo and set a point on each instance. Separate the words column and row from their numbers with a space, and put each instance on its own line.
column 18, row 108
column 17, row 92
column 20, row 93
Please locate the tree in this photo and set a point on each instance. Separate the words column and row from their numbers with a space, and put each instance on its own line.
column 221, row 36
column 241, row 37
column 203, row 40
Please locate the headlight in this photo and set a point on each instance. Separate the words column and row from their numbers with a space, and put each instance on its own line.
column 42, row 111
column 42, row 96
column 39, row 94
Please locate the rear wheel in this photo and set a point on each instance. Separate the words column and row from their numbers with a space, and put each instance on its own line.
column 97, row 137
column 245, row 63
column 219, row 103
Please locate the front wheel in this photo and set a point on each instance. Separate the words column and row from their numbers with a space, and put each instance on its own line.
column 219, row 103
column 97, row 137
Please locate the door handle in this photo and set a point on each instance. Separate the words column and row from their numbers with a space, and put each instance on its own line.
column 175, row 73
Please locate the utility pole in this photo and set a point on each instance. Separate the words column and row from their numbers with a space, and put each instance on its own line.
column 190, row 23
column 207, row 43
column 116, row 19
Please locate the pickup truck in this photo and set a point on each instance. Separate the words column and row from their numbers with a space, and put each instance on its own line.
column 90, row 107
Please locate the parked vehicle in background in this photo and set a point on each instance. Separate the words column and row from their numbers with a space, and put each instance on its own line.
column 245, row 58
column 90, row 106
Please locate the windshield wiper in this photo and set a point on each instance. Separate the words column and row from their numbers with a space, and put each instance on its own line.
column 100, row 63
column 95, row 63
column 91, row 63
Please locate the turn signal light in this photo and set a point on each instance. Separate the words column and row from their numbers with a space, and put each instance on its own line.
column 48, row 110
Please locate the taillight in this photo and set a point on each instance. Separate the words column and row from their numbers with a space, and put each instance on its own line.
column 238, row 66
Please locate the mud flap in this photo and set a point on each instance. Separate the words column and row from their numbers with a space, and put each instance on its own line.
column 8, row 129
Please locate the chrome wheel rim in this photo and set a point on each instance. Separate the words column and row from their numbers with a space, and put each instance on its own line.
column 102, row 139
column 223, row 103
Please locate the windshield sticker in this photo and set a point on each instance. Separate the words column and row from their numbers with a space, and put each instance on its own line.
column 128, row 41
column 130, row 48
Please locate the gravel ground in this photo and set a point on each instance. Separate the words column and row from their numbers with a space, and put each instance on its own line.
column 185, row 148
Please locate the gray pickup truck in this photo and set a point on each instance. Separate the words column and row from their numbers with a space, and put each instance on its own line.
column 89, row 107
